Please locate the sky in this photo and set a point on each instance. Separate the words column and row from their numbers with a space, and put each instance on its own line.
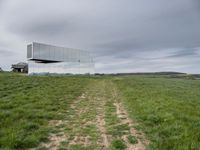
column 122, row 35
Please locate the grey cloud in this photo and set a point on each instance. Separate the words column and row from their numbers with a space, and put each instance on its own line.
column 137, row 34
column 42, row 28
column 119, row 48
column 6, row 53
column 1, row 3
column 160, row 28
column 197, row 3
column 179, row 53
column 185, row 52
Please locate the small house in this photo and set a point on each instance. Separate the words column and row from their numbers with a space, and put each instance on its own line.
column 20, row 67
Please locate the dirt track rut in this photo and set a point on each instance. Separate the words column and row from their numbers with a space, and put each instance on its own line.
column 96, row 120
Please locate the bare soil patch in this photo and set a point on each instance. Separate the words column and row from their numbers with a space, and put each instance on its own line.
column 124, row 119
column 122, row 114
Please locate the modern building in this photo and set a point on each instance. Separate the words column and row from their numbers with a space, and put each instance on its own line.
column 43, row 58
column 20, row 67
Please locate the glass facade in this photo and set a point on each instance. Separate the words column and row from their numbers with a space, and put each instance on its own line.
column 29, row 51
column 43, row 58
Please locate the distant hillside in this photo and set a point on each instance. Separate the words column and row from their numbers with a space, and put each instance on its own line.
column 143, row 73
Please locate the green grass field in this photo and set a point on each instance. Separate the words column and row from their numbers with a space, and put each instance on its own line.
column 82, row 112
column 168, row 110
column 28, row 103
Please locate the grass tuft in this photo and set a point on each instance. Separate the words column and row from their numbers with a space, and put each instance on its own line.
column 118, row 145
column 132, row 139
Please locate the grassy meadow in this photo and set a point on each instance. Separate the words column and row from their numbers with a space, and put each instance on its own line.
column 165, row 109
column 27, row 104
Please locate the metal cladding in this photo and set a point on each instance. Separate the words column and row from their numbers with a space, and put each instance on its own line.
column 43, row 58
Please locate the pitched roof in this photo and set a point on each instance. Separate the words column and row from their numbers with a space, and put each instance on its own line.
column 20, row 65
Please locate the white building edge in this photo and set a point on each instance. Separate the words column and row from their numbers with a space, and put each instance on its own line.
column 44, row 58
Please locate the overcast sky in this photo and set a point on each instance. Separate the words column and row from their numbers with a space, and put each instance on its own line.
column 123, row 35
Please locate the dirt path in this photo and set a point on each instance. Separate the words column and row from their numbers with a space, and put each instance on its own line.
column 122, row 114
column 96, row 120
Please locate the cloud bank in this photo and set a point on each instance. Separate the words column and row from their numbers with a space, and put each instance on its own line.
column 123, row 35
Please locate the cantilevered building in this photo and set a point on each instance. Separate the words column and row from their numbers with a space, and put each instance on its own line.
column 43, row 58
